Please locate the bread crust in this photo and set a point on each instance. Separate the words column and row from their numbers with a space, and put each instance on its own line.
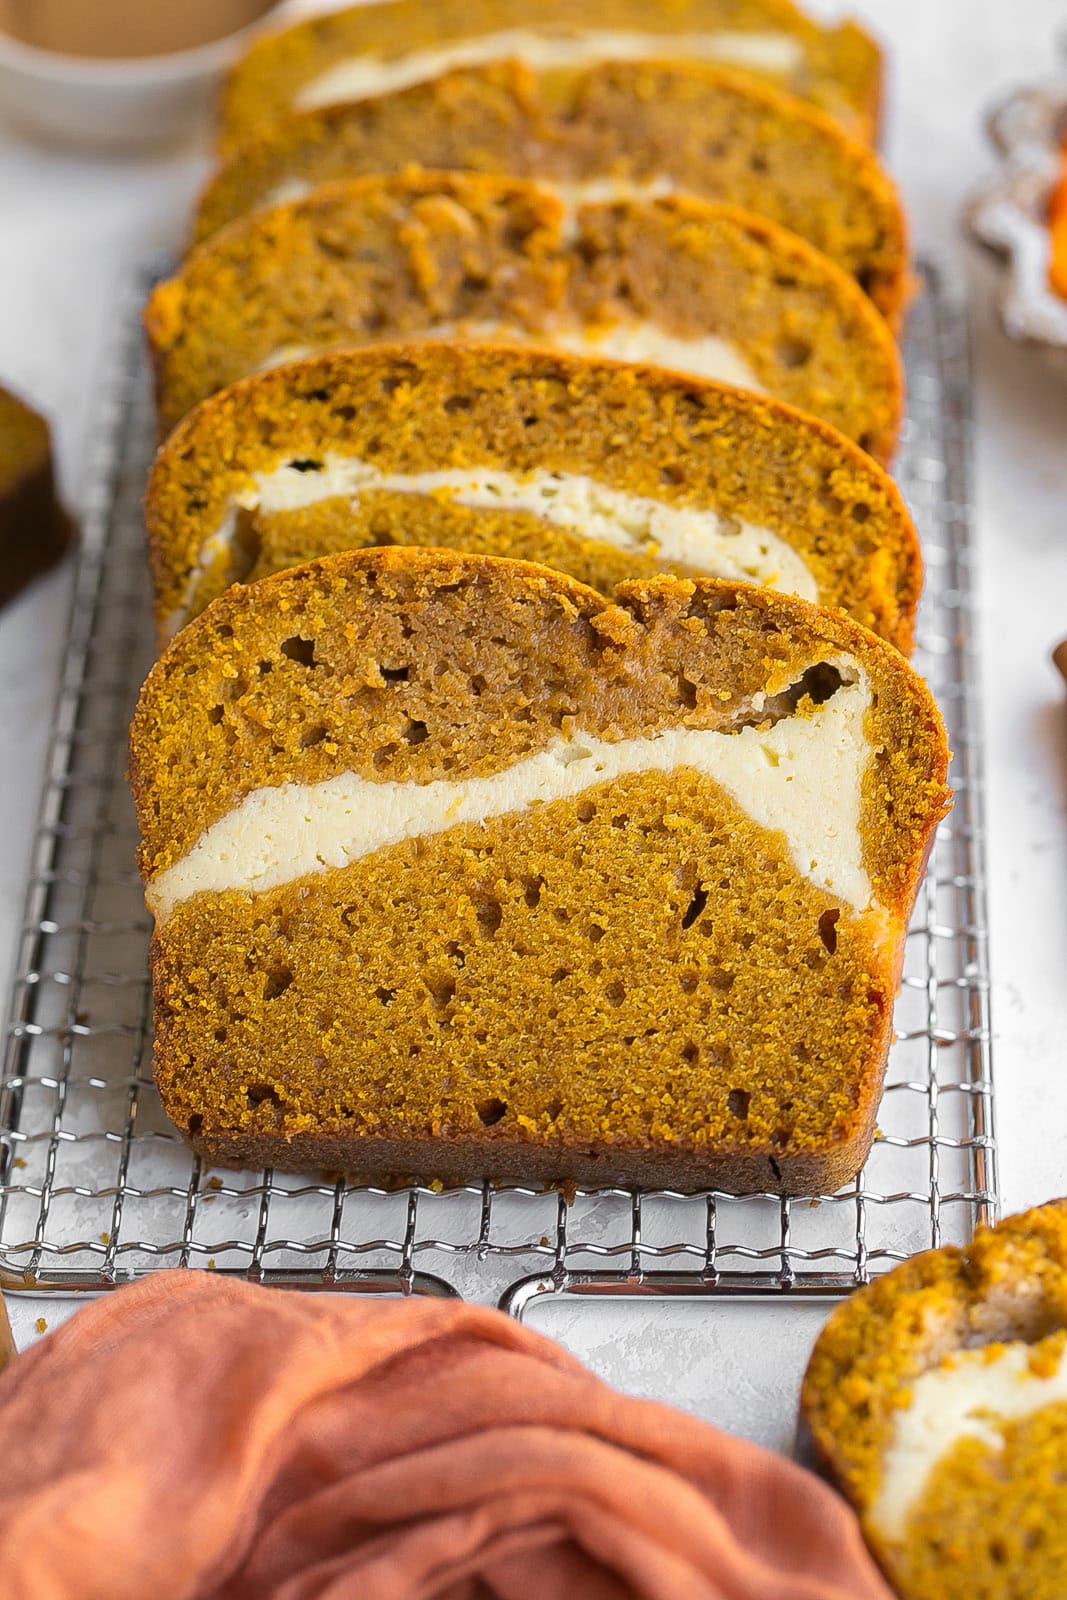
column 455, row 1161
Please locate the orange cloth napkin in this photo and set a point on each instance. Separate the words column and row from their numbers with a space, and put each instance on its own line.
column 196, row 1437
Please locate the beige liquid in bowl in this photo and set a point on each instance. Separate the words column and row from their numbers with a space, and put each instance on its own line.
column 109, row 29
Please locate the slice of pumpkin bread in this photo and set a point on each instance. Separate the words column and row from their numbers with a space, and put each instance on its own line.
column 460, row 870
column 937, row 1399
column 698, row 130
column 601, row 469
column 700, row 288
column 366, row 50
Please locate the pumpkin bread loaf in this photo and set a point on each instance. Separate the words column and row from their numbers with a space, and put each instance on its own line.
column 601, row 469
column 937, row 1399
column 667, row 124
column 368, row 49
column 35, row 531
column 460, row 870
column 700, row 288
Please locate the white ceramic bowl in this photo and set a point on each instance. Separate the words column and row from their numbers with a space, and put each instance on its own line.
column 125, row 104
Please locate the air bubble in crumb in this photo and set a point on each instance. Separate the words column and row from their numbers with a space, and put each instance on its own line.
column 41, row 1325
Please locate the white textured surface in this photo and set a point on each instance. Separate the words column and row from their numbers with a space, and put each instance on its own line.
column 70, row 224
column 803, row 776
column 972, row 1395
column 361, row 76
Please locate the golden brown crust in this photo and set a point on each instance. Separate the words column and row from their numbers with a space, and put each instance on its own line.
column 419, row 408
column 414, row 664
column 387, row 258
column 1009, row 1284
column 840, row 70
column 711, row 132
column 452, row 1160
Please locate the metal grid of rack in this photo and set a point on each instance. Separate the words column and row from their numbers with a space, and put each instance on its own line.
column 95, row 1186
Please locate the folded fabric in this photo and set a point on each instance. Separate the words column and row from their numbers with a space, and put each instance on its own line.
column 195, row 1437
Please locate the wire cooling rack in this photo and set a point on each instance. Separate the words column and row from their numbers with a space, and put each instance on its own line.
column 95, row 1186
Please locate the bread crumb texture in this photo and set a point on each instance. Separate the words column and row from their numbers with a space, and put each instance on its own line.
column 634, row 975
